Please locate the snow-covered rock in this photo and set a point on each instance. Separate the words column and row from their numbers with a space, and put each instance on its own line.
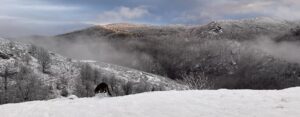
column 193, row 103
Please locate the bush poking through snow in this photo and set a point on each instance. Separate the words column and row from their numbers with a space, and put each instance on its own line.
column 197, row 81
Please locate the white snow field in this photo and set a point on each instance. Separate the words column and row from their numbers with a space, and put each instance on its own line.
column 205, row 103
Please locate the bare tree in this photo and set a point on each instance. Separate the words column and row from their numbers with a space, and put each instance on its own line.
column 8, row 72
column 128, row 87
column 86, row 81
column 114, row 86
column 26, row 58
column 33, row 50
column 44, row 59
column 62, row 85
column 197, row 81
column 29, row 86
column 42, row 56
column 26, row 87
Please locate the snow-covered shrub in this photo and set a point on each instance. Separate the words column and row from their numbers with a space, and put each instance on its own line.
column 197, row 81
column 72, row 97
column 64, row 92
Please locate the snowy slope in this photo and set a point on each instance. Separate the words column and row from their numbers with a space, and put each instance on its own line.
column 206, row 103
column 62, row 67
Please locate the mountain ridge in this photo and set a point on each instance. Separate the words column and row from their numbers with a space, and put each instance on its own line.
column 174, row 51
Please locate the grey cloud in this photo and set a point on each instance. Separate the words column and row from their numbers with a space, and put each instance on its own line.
column 77, row 13
column 231, row 9
column 122, row 14
column 288, row 51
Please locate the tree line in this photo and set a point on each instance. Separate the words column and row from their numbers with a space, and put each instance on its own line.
column 20, row 82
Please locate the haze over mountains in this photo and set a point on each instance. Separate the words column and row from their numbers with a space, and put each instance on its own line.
column 148, row 58
column 258, row 53
column 220, row 51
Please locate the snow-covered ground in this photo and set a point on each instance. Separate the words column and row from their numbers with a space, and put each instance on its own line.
column 214, row 103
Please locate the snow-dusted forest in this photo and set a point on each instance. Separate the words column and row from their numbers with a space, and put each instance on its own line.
column 147, row 58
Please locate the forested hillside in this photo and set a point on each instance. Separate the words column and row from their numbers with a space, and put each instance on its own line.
column 237, row 54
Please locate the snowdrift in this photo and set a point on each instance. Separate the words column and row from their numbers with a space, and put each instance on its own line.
column 205, row 103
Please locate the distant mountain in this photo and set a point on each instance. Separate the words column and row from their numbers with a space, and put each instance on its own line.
column 230, row 29
column 123, row 27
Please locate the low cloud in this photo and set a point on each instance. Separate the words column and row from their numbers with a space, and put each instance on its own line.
column 14, row 7
column 233, row 9
column 121, row 14
column 288, row 51
column 34, row 17
column 59, row 13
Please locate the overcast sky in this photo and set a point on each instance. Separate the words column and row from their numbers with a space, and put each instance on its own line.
column 51, row 17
